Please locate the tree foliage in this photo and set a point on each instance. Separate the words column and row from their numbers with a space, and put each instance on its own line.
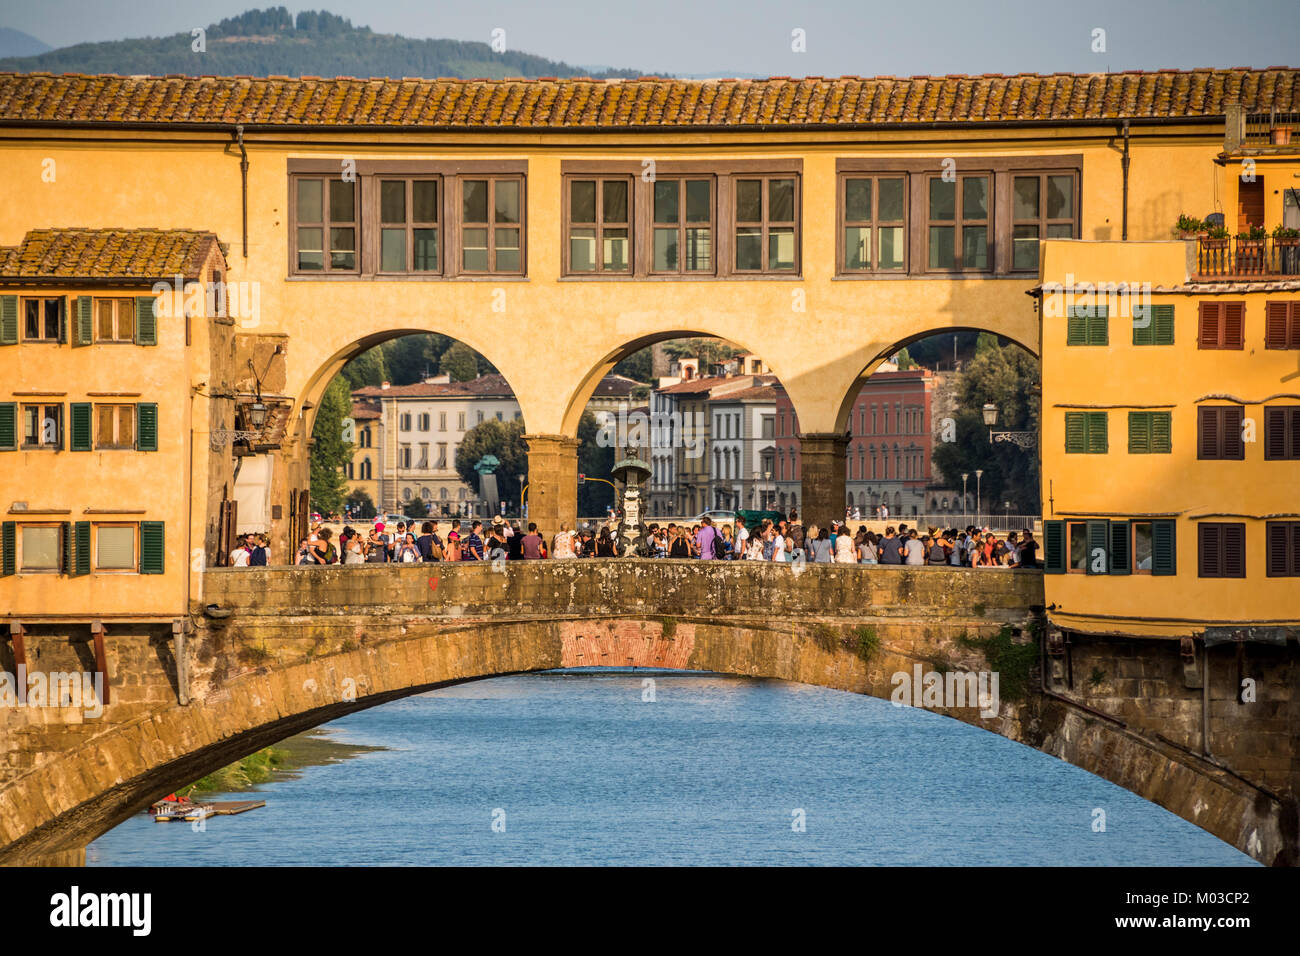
column 597, row 461
column 503, row 439
column 360, row 502
column 329, row 452
column 460, row 362
column 368, row 368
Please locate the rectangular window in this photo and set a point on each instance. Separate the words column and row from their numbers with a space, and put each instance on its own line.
column 442, row 456
column 1282, row 325
column 1042, row 207
column 409, row 218
column 1221, row 325
column 1221, row 547
column 442, row 421
column 1077, row 538
column 115, row 547
column 43, row 320
column 491, row 228
column 1085, row 433
column 115, row 320
column 875, row 223
column 599, row 225
column 1142, row 546
column 43, row 426
column 424, row 421
column 325, row 223
column 766, row 224
column 42, row 547
column 1282, row 433
column 115, row 426
column 1218, row 433
column 1087, row 325
column 958, row 220
column 682, row 230
column 1149, row 433
column 1154, row 325
column 1282, row 543
column 404, row 421
column 460, row 421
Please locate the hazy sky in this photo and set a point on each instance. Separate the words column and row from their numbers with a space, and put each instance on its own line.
column 754, row 36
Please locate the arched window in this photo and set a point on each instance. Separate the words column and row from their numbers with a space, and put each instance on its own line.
column 365, row 469
column 442, row 494
column 426, row 494
column 406, row 494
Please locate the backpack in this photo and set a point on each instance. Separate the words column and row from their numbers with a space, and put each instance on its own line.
column 719, row 547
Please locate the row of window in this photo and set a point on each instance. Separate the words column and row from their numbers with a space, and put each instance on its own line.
column 468, row 224
column 907, row 467
column 424, row 420
column 1220, row 325
column 93, row 319
column 908, row 420
column 75, row 548
column 91, row 426
column 1102, row 546
column 1220, row 433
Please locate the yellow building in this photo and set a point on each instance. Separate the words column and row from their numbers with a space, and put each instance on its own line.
column 367, row 466
column 557, row 227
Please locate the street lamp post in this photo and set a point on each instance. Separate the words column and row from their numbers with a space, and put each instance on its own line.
column 979, row 473
column 965, row 513
column 1020, row 439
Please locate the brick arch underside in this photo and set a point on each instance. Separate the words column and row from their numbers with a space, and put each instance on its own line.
column 70, row 800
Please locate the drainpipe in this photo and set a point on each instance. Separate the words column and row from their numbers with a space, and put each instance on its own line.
column 243, row 184
column 1124, row 165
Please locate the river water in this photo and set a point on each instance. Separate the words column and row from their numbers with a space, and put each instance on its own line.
column 581, row 768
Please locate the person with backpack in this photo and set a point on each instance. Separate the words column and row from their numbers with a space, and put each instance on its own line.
column 704, row 539
column 889, row 553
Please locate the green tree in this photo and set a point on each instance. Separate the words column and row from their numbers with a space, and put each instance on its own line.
column 905, row 360
column 637, row 366
column 506, row 441
column 987, row 342
column 708, row 350
column 416, row 508
column 360, row 502
column 329, row 452
column 368, row 368
column 460, row 362
column 597, row 461
column 410, row 357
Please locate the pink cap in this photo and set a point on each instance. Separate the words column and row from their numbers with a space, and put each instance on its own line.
column 379, row 526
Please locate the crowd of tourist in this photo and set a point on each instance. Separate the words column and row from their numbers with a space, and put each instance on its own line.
column 781, row 541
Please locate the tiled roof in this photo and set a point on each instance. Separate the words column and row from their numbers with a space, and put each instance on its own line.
column 365, row 411
column 646, row 102
column 494, row 385
column 746, row 394
column 107, row 254
column 615, row 385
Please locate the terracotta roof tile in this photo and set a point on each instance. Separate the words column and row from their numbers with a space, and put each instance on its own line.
column 107, row 254
column 647, row 102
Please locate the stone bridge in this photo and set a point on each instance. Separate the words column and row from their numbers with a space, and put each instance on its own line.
column 278, row 651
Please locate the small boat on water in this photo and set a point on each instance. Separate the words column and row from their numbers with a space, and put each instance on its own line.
column 185, row 809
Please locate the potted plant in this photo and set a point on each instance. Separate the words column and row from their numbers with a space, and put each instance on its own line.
column 1188, row 227
column 1287, row 242
column 1281, row 135
column 1214, row 251
column 1250, row 250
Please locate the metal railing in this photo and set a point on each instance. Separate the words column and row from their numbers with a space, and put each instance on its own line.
column 1271, row 129
column 1242, row 258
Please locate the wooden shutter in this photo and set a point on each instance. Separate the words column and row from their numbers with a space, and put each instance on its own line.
column 85, row 334
column 1277, row 320
column 8, row 536
column 1233, row 446
column 1121, row 537
column 1282, row 545
column 1209, row 547
column 80, row 416
column 1145, row 333
column 1076, row 433
column 1164, row 551
column 1098, row 540
column 152, row 547
column 1054, row 547
column 1162, row 427
column 146, row 426
column 8, row 320
column 69, row 548
column 227, row 522
column 1162, row 324
column 1234, row 325
column 1097, row 439
column 1209, row 325
column 1275, row 422
column 82, row 549
column 63, row 320
column 146, row 322
column 1139, row 433
column 1207, row 433
column 8, row 426
column 1099, row 326
column 1076, row 328
column 1234, row 550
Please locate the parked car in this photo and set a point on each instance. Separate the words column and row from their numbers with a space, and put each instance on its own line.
column 720, row 516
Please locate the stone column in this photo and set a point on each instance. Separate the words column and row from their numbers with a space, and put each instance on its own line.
column 821, row 468
column 552, row 482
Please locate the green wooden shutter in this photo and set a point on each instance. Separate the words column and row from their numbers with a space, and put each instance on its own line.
column 85, row 321
column 1098, row 326
column 1098, row 540
column 69, row 549
column 1076, row 433
column 79, row 430
column 152, row 547
column 63, row 319
column 1120, row 536
column 146, row 323
column 1139, row 433
column 146, row 426
column 1162, row 442
column 1096, row 433
column 1144, row 326
column 1163, row 324
column 1054, row 547
column 82, row 532
column 1163, row 548
column 1076, row 327
column 8, row 320
column 8, row 534
column 8, row 426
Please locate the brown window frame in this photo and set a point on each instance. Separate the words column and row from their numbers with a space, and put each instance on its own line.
column 1043, row 222
column 1283, row 318
column 599, row 225
column 410, row 224
column 59, row 548
column 326, row 225
column 1290, row 531
column 135, row 547
column 959, row 221
column 681, row 226
column 765, row 224
column 1221, row 451
column 39, row 445
column 119, row 409
column 1288, row 423
column 1069, row 563
column 875, row 224
column 115, row 303
column 1221, row 555
column 42, row 320
column 1218, row 316
column 491, row 225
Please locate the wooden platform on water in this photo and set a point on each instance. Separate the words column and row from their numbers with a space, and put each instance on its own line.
column 167, row 810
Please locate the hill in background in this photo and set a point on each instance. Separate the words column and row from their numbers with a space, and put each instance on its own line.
column 272, row 42
column 17, row 43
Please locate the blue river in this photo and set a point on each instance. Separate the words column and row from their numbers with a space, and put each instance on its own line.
column 579, row 768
